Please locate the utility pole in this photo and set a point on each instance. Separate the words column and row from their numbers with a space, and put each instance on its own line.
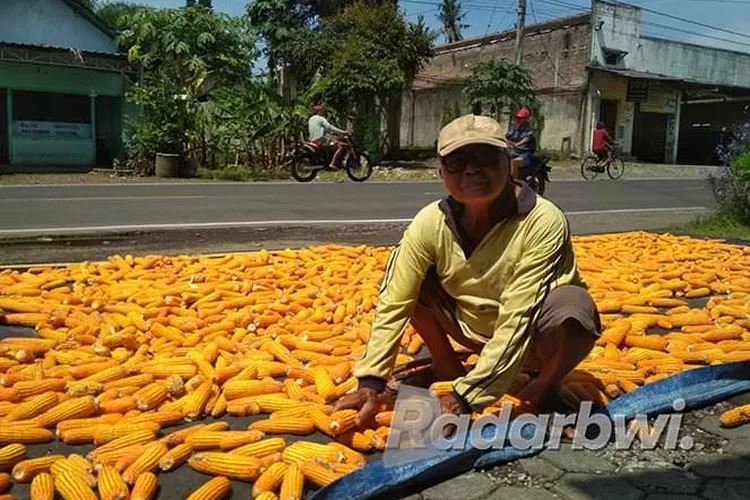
column 520, row 24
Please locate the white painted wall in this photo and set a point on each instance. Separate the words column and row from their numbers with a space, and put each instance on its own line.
column 621, row 29
column 50, row 22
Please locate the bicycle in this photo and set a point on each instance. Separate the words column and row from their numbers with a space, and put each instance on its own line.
column 613, row 164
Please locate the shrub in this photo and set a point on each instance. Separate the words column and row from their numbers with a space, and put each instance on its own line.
column 732, row 189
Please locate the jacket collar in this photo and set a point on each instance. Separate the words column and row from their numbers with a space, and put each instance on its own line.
column 524, row 203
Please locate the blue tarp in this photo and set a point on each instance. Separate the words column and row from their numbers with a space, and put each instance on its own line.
column 697, row 388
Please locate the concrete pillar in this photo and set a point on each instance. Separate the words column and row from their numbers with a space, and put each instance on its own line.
column 9, row 113
column 676, row 141
column 92, row 104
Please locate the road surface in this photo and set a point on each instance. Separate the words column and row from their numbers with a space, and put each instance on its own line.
column 43, row 223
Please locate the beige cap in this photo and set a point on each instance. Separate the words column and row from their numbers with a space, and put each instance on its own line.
column 471, row 129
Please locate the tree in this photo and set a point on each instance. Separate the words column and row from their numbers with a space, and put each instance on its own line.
column 373, row 55
column 114, row 13
column 502, row 86
column 184, row 54
column 450, row 15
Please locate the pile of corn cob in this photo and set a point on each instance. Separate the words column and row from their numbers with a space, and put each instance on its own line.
column 129, row 348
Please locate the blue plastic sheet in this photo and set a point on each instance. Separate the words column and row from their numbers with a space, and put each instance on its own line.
column 697, row 388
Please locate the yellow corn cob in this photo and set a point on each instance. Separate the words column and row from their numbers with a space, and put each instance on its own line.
column 113, row 457
column 110, row 484
column 220, row 407
column 175, row 457
column 235, row 389
column 43, row 487
column 119, row 405
column 79, row 435
column 302, row 410
column 25, row 470
column 133, row 438
column 144, row 487
column 10, row 455
column 343, row 420
column 196, row 402
column 267, row 495
column 323, row 382
column 317, row 473
column 260, row 448
column 73, row 408
column 270, row 479
column 178, row 437
column 736, row 416
column 65, row 465
column 348, row 453
column 151, row 396
column 239, row 438
column 216, row 488
column 127, row 459
column 28, row 388
column 140, row 380
column 146, row 462
column 185, row 371
column 301, row 451
column 73, row 487
column 300, row 426
column 280, row 352
column 35, row 406
column 163, row 418
column 81, row 462
column 80, row 423
column 293, row 484
column 203, row 440
column 26, row 434
column 107, row 434
column 238, row 467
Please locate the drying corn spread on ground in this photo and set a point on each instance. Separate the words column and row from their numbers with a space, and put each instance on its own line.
column 136, row 360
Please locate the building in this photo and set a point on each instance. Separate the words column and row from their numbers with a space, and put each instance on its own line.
column 62, row 82
column 664, row 101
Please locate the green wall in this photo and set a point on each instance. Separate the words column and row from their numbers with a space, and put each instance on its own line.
column 43, row 78
column 59, row 79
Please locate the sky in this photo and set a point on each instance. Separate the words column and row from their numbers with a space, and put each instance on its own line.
column 489, row 16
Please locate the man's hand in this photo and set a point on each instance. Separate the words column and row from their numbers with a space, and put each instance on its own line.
column 449, row 403
column 366, row 400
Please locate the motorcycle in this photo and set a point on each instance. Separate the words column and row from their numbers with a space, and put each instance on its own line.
column 537, row 175
column 308, row 158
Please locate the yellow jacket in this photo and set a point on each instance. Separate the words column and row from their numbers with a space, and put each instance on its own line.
column 499, row 287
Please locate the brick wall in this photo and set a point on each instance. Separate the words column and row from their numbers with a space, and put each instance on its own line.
column 556, row 53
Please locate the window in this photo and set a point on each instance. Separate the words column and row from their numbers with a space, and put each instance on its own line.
column 48, row 107
column 613, row 57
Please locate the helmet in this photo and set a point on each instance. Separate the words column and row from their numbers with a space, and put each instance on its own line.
column 523, row 114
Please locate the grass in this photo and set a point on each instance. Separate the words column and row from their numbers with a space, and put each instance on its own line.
column 242, row 174
column 722, row 225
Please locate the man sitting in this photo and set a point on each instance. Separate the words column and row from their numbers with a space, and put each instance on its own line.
column 319, row 128
column 491, row 266
column 522, row 138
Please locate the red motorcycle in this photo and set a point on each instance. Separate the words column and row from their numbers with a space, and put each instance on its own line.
column 308, row 158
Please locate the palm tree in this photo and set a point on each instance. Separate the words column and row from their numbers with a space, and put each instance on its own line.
column 450, row 15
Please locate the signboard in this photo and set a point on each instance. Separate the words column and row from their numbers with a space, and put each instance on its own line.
column 51, row 130
column 637, row 91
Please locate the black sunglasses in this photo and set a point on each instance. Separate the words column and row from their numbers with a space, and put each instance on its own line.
column 458, row 162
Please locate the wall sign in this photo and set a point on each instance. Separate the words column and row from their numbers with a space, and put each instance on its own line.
column 637, row 90
column 51, row 130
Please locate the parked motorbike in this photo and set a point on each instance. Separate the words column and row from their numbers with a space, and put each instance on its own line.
column 537, row 175
column 308, row 158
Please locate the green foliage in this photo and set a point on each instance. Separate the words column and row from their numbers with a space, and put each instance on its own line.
column 502, row 86
column 184, row 54
column 450, row 14
column 114, row 14
column 732, row 189
column 374, row 54
column 451, row 111
column 367, row 135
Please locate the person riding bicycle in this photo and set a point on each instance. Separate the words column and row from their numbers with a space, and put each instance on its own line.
column 522, row 139
column 319, row 128
column 601, row 142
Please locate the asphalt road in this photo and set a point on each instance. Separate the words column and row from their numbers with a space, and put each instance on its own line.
column 69, row 223
column 69, row 209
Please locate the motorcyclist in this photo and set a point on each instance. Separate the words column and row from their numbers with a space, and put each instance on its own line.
column 522, row 139
column 319, row 128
